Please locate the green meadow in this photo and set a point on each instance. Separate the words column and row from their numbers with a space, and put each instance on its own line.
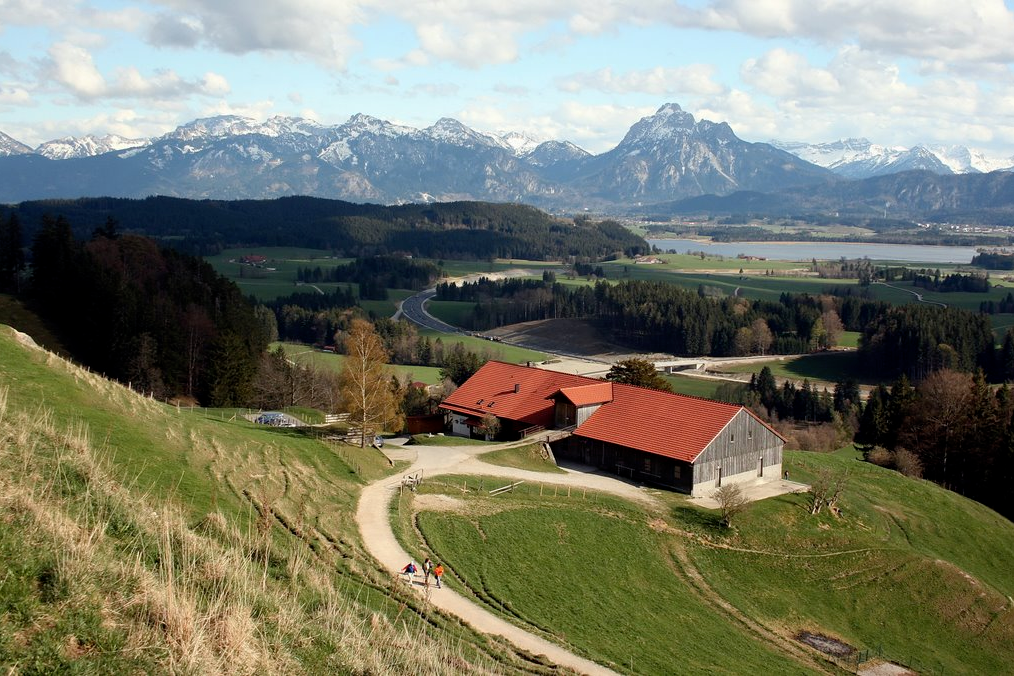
column 908, row 570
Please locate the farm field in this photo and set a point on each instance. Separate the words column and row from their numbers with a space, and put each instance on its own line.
column 695, row 387
column 828, row 367
column 307, row 354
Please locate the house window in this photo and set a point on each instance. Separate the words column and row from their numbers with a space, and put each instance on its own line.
column 749, row 434
column 676, row 472
column 647, row 465
column 732, row 438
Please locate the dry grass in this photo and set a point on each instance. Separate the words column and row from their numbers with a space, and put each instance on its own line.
column 197, row 598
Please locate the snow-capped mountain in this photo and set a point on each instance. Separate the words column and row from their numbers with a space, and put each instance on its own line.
column 10, row 146
column 669, row 156
column 859, row 158
column 962, row 160
column 521, row 143
column 86, row 146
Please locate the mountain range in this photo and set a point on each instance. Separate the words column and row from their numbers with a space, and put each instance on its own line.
column 664, row 157
column 858, row 158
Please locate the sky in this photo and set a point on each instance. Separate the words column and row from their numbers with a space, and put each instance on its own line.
column 898, row 72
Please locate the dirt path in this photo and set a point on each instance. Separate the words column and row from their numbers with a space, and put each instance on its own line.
column 372, row 516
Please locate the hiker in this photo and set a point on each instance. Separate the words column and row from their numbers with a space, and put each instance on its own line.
column 409, row 571
column 438, row 572
column 427, row 569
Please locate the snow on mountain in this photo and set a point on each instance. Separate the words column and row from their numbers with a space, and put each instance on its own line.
column 449, row 130
column 859, row 158
column 520, row 143
column 962, row 160
column 87, row 146
column 10, row 146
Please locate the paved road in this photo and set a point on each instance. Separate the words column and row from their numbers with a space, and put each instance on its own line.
column 372, row 515
column 413, row 308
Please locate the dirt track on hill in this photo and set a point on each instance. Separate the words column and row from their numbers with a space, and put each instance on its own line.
column 372, row 516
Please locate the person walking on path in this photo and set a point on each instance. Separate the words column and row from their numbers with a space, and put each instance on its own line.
column 409, row 571
column 438, row 572
column 427, row 569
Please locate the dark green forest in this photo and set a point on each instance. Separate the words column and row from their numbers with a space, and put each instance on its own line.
column 455, row 230
column 162, row 321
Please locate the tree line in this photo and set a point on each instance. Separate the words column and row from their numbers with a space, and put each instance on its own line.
column 656, row 316
column 454, row 230
column 951, row 428
column 375, row 275
column 162, row 321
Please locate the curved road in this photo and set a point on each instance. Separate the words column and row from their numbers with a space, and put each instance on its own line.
column 373, row 518
column 413, row 308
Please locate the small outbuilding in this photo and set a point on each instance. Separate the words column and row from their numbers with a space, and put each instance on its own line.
column 685, row 443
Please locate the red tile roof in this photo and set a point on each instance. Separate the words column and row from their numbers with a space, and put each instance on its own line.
column 663, row 423
column 491, row 390
column 672, row 425
column 585, row 395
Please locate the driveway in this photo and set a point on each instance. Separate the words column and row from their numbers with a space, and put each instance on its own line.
column 373, row 518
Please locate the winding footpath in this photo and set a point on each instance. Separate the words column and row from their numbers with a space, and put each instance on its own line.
column 373, row 518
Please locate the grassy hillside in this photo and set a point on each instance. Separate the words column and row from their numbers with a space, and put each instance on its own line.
column 911, row 571
column 136, row 537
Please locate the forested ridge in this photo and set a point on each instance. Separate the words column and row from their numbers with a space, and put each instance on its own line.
column 162, row 321
column 458, row 230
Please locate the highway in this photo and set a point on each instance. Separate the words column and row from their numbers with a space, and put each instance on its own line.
column 413, row 310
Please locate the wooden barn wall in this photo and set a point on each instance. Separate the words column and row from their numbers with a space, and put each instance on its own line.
column 737, row 449
column 626, row 462
column 566, row 413
column 585, row 412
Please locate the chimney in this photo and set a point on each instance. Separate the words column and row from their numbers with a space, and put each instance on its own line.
column 517, row 387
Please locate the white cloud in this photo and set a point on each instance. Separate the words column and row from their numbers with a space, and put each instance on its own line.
column 971, row 30
column 73, row 67
column 14, row 96
column 316, row 29
column 693, row 80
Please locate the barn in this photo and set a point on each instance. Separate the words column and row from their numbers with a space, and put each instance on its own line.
column 676, row 441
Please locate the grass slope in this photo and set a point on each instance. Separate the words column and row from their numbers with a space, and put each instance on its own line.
column 135, row 537
column 910, row 570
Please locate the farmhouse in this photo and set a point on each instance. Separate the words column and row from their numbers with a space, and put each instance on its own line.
column 686, row 443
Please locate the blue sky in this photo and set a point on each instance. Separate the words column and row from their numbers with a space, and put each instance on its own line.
column 898, row 72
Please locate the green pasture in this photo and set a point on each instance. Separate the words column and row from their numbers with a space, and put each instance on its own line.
column 915, row 571
column 695, row 387
column 452, row 312
column 308, row 355
column 587, row 570
column 908, row 569
column 827, row 367
column 495, row 350
column 528, row 456
column 849, row 339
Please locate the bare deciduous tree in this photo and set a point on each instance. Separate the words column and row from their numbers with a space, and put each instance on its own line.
column 364, row 383
column 731, row 501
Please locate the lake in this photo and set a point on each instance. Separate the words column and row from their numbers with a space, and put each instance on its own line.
column 805, row 251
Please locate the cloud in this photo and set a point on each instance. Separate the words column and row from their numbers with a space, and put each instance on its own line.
column 972, row 30
column 14, row 96
column 74, row 68
column 315, row 29
column 693, row 80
